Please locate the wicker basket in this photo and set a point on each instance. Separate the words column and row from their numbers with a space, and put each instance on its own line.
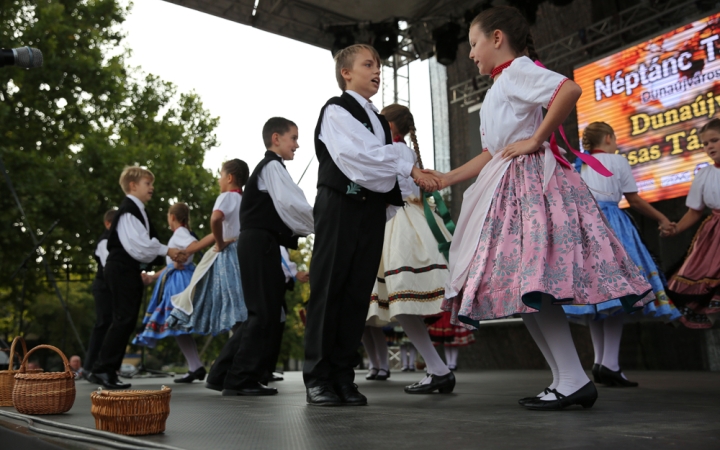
column 7, row 377
column 131, row 413
column 46, row 392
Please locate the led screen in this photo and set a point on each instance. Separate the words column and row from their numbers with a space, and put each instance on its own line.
column 657, row 95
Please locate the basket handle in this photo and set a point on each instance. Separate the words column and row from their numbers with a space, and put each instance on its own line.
column 12, row 349
column 23, row 366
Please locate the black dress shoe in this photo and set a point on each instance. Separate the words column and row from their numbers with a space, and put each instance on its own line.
column 382, row 375
column 596, row 373
column 323, row 395
column 525, row 400
column 585, row 397
column 213, row 386
column 252, row 389
column 349, row 394
column 372, row 373
column 198, row 374
column 108, row 381
column 444, row 384
column 611, row 378
column 274, row 377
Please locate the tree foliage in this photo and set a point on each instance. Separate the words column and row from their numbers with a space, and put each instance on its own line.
column 66, row 131
column 293, row 339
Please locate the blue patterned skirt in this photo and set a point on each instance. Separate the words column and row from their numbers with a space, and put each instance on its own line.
column 661, row 308
column 218, row 302
column 171, row 282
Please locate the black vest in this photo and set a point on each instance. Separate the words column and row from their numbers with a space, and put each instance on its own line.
column 99, row 274
column 257, row 210
column 331, row 176
column 115, row 248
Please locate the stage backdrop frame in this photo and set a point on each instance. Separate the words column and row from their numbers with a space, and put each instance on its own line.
column 657, row 94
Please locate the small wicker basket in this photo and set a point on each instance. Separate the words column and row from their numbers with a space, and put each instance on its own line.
column 46, row 392
column 132, row 413
column 7, row 377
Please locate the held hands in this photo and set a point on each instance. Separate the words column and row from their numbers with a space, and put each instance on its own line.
column 668, row 229
column 177, row 255
column 519, row 148
column 146, row 279
column 428, row 180
column 302, row 276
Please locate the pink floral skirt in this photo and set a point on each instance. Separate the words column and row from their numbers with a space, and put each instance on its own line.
column 536, row 243
column 696, row 286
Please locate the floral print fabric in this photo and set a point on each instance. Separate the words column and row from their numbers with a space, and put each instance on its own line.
column 555, row 242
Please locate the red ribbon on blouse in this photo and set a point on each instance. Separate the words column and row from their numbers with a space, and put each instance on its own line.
column 588, row 159
column 398, row 138
column 239, row 191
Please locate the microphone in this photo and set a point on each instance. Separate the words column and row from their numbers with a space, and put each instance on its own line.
column 25, row 57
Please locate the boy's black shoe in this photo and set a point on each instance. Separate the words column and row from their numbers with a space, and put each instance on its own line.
column 322, row 395
column 108, row 381
column 253, row 389
column 349, row 395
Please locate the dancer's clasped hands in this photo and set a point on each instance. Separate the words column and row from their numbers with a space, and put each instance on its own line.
column 177, row 255
column 429, row 180
column 668, row 229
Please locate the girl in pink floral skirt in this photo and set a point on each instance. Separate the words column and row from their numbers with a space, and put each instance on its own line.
column 530, row 236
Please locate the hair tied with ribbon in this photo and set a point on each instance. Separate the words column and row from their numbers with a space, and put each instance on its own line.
column 587, row 158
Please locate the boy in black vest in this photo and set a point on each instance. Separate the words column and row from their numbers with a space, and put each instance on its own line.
column 102, row 296
column 273, row 212
column 132, row 246
column 357, row 193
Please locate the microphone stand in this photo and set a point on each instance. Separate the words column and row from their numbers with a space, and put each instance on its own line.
column 36, row 244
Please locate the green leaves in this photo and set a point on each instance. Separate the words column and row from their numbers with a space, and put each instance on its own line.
column 67, row 130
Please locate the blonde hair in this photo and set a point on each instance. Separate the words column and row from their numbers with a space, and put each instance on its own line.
column 133, row 174
column 182, row 213
column 594, row 135
column 405, row 123
column 345, row 58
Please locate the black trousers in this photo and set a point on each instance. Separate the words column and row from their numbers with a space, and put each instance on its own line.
column 263, row 281
column 223, row 363
column 103, row 319
column 126, row 289
column 346, row 256
column 276, row 344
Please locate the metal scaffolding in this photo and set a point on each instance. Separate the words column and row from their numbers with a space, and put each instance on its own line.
column 395, row 75
column 629, row 25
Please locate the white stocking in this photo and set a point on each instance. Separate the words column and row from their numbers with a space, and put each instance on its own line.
column 534, row 329
column 189, row 350
column 405, row 355
column 613, row 327
column 554, row 327
column 369, row 344
column 451, row 355
column 381, row 348
column 417, row 331
column 598, row 339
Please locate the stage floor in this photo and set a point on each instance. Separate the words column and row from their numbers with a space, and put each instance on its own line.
column 669, row 410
